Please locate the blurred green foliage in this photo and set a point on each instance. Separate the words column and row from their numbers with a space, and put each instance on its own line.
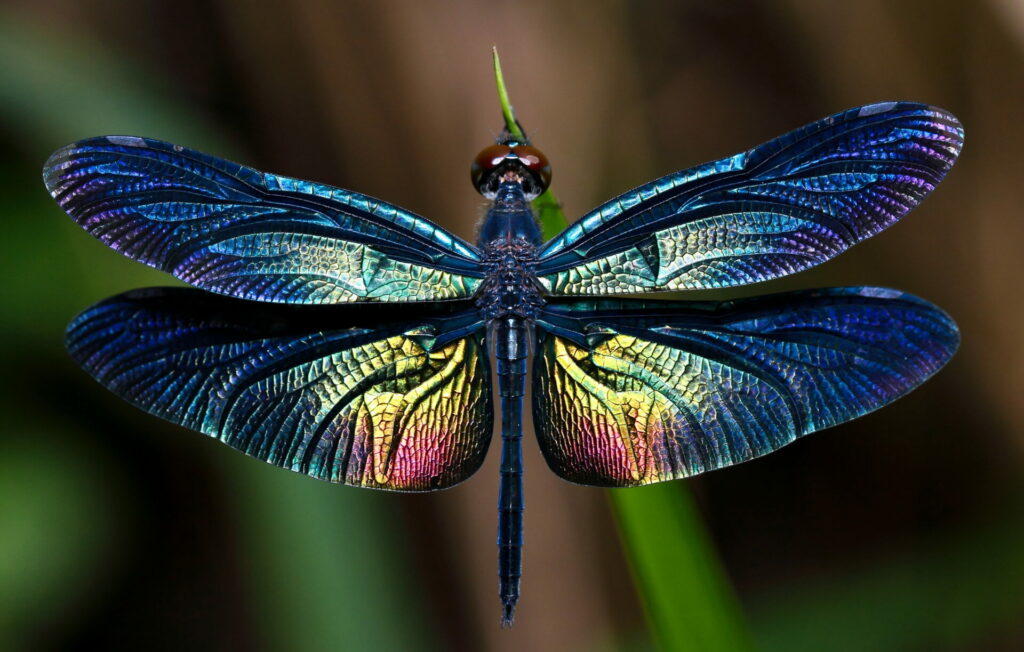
column 325, row 562
column 951, row 597
column 53, row 512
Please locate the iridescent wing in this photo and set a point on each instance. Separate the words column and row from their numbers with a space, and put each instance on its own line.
column 631, row 392
column 234, row 230
column 370, row 400
column 784, row 206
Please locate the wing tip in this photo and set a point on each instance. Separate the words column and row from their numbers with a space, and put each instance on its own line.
column 53, row 169
column 941, row 119
column 64, row 157
column 945, row 331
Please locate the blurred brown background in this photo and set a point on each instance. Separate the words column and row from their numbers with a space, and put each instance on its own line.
column 902, row 530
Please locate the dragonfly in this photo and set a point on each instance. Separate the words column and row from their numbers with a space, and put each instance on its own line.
column 348, row 339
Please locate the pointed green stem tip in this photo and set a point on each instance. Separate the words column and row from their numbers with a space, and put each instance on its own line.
column 506, row 109
column 549, row 210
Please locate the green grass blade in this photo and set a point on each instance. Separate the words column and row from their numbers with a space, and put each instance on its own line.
column 687, row 598
column 506, row 107
column 549, row 210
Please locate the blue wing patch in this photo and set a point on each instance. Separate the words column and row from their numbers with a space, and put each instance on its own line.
column 789, row 204
column 230, row 229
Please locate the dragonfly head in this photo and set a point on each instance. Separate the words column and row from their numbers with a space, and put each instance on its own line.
column 510, row 160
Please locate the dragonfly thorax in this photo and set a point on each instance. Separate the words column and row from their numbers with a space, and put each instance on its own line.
column 509, row 237
column 510, row 288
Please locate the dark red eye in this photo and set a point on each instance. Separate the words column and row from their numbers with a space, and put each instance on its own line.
column 534, row 160
column 527, row 162
column 486, row 161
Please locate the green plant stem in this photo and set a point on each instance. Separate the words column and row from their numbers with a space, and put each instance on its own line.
column 687, row 598
column 506, row 108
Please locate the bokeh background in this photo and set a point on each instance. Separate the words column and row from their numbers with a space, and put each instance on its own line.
column 900, row 531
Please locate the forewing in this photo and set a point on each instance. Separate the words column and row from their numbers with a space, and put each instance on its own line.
column 373, row 401
column 234, row 230
column 784, row 206
column 631, row 393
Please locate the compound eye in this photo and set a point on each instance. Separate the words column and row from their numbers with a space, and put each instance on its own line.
column 534, row 160
column 486, row 162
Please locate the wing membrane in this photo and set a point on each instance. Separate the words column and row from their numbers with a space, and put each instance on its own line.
column 374, row 401
column 630, row 392
column 234, row 230
column 784, row 206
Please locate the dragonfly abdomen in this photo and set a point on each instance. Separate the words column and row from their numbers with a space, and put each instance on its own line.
column 511, row 339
